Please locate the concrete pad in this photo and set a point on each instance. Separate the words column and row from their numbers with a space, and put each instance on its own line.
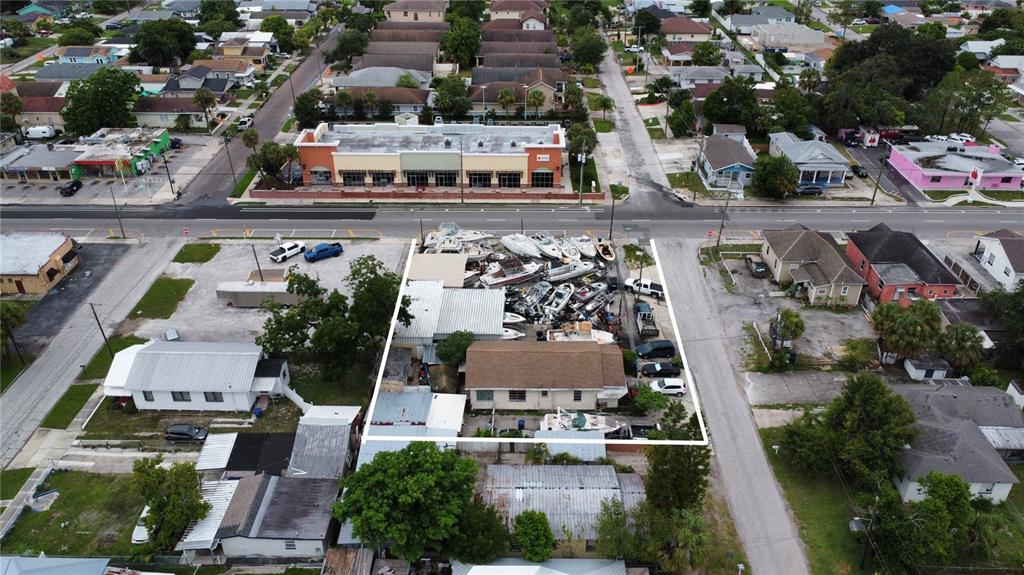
column 775, row 417
column 44, row 446
column 794, row 387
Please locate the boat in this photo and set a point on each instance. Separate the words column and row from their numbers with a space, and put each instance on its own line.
column 605, row 250
column 547, row 245
column 559, row 298
column 580, row 331
column 512, row 318
column 569, row 251
column 476, row 252
column 472, row 236
column 521, row 245
column 578, row 421
column 509, row 333
column 537, row 293
column 585, row 244
column 509, row 272
column 470, row 277
column 446, row 230
column 597, row 303
column 446, row 245
column 573, row 269
column 589, row 292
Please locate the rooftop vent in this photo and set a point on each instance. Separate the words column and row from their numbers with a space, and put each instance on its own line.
column 447, row 142
column 479, row 143
column 512, row 143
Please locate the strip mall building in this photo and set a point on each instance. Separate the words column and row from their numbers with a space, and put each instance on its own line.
column 451, row 155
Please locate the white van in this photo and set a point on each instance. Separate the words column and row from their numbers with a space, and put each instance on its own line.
column 40, row 132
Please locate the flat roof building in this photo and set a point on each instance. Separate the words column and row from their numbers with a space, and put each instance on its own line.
column 35, row 262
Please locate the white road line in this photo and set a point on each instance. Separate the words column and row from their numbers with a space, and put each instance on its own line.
column 935, row 221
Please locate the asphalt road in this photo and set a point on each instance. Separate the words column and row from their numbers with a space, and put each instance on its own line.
column 820, row 15
column 872, row 159
column 1011, row 134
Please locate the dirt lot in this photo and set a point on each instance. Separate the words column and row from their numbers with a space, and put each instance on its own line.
column 203, row 317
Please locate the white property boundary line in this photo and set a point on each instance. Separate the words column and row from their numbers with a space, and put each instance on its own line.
column 531, row 440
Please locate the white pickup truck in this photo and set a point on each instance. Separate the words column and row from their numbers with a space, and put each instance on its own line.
column 645, row 287
column 287, row 250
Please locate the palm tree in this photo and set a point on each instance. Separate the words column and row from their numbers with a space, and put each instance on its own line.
column 207, row 101
column 290, row 153
column 343, row 100
column 809, row 79
column 251, row 139
column 536, row 98
column 506, row 97
column 370, row 102
column 605, row 103
column 884, row 317
column 961, row 345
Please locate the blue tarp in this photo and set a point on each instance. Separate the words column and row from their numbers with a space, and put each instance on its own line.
column 890, row 9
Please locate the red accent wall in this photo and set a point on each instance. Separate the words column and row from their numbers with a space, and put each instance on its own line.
column 889, row 290
column 312, row 156
column 553, row 163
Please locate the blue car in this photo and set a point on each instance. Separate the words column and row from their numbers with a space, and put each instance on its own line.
column 321, row 251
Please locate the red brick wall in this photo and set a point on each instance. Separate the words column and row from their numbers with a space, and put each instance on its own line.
column 429, row 194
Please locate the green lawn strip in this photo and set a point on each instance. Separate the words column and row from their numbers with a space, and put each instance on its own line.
column 619, row 191
column 593, row 99
column 656, row 133
column 278, row 80
column 242, row 93
column 864, row 28
column 162, row 298
column 255, row 105
column 1003, row 195
column 589, row 174
column 243, row 183
column 291, row 67
column 975, row 204
column 68, row 406
column 197, row 253
column 603, row 126
column 822, row 512
column 652, row 122
column 1005, row 116
column 11, row 481
column 591, row 82
column 113, row 421
column 940, row 195
column 287, row 127
column 818, row 26
column 94, row 515
column 726, row 552
column 99, row 365
column 354, row 388
column 12, row 367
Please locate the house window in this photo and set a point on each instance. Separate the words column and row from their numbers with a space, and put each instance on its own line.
column 543, row 393
column 577, row 395
column 180, row 396
column 1006, row 271
column 986, row 488
column 1005, row 180
column 991, row 258
column 147, row 395
column 214, row 396
column 931, row 292
column 945, row 292
column 821, row 291
column 485, row 395
column 845, row 290
column 936, row 179
column 290, row 545
column 862, row 263
column 517, row 395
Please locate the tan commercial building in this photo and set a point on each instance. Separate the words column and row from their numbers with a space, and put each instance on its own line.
column 450, row 155
column 416, row 10
column 35, row 262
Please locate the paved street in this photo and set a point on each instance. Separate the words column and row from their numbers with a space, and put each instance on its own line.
column 762, row 518
column 15, row 67
column 1009, row 133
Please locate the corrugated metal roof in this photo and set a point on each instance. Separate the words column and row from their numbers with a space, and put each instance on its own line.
column 370, row 449
column 1004, row 437
column 320, row 452
column 586, row 452
column 424, row 305
column 548, row 477
column 517, row 566
column 194, row 366
column 202, row 534
column 52, row 566
column 480, row 311
column 216, row 451
column 409, row 406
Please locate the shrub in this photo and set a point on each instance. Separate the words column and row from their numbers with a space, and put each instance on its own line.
column 629, row 361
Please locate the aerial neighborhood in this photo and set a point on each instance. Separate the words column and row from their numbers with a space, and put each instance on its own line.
column 511, row 287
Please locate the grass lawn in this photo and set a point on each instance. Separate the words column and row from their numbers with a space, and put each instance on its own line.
column 687, row 180
column 255, row 106
column 93, row 515
column 619, row 191
column 354, row 389
column 162, row 298
column 603, row 126
column 99, row 365
column 11, row 481
column 864, row 28
column 589, row 174
column 975, row 204
column 68, row 406
column 291, row 67
column 196, row 253
column 243, row 183
column 287, row 127
column 822, row 513
column 940, row 195
column 818, row 26
column 243, row 93
column 726, row 552
column 656, row 133
column 591, row 82
column 653, row 122
column 1004, row 195
column 11, row 368
column 1005, row 116
column 278, row 80
column 114, row 422
column 593, row 99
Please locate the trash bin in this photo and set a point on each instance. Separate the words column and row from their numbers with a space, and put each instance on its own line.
column 258, row 412
column 521, row 425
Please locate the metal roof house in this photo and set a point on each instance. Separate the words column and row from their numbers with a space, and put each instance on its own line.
column 323, row 443
column 439, row 312
column 236, row 455
column 11, row 565
column 818, row 162
column 194, row 376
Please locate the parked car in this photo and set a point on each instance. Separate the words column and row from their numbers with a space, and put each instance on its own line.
column 140, row 534
column 40, row 132
column 321, row 251
column 956, row 149
column 62, row 21
column 873, row 20
column 613, row 283
column 660, row 369
column 645, row 287
column 185, row 432
column 656, row 348
column 1019, row 162
column 810, row 190
column 858, row 22
column 114, row 26
column 859, row 170
column 287, row 250
column 635, row 49
column 70, row 188
column 245, row 123
column 176, row 143
column 757, row 267
column 936, row 138
column 669, row 386
column 962, row 138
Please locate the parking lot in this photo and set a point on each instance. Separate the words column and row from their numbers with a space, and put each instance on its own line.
column 147, row 189
column 201, row 316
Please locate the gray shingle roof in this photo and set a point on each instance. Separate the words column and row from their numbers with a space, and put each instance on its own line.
column 797, row 244
column 721, row 152
column 61, row 71
column 194, row 366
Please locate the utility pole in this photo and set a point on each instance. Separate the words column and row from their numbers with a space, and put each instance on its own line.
column 878, row 180
column 583, row 164
column 292, row 88
column 258, row 268
column 227, row 150
column 106, row 342
column 721, row 225
column 168, row 170
column 700, row 154
column 17, row 350
column 612, row 221
column 117, row 212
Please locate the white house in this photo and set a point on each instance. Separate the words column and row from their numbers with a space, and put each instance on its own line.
column 1001, row 254
column 818, row 162
column 788, row 36
column 982, row 49
column 690, row 76
column 927, row 367
column 195, row 376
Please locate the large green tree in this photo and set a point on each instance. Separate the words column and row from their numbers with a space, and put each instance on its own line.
column 677, row 540
column 409, row 500
column 734, row 102
column 961, row 345
column 219, row 10
column 908, row 331
column 307, row 109
column 678, row 477
column 452, row 97
column 12, row 315
column 581, row 137
column 10, row 108
column 587, row 46
column 103, row 100
column 453, row 348
column 707, row 54
column 462, row 41
column 533, row 535
column 469, row 9
column 163, row 43
column 481, row 536
column 794, row 112
column 774, row 177
column 174, row 498
column 283, row 32
column 1007, row 308
column 349, row 44
column 869, row 92
column 76, row 37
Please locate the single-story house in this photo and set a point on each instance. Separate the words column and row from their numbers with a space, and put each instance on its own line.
column 439, row 312
column 484, row 98
column 690, row 76
column 679, row 53
column 422, row 62
column 416, row 10
column 570, row 496
column 415, row 411
column 34, row 262
column 524, row 36
column 542, row 375
column 510, row 565
column 790, row 36
column 1001, row 254
column 324, row 442
column 958, row 425
column 683, row 29
column 238, row 455
column 512, row 60
column 588, row 452
column 164, row 112
column 242, row 71
column 195, row 376
column 42, row 565
column 898, row 267
column 52, row 8
column 815, row 262
column 970, row 311
column 818, row 162
column 743, row 24
column 981, row 49
column 945, row 166
column 42, row 111
column 752, row 71
column 407, row 35
column 65, row 72
column 774, row 14
column 86, row 55
column 726, row 163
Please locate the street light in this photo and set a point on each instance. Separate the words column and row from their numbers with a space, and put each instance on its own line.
column 106, row 342
column 227, row 150
column 169, row 180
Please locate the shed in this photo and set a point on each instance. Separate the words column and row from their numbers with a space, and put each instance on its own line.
column 927, row 367
column 201, row 535
column 583, row 451
column 450, row 269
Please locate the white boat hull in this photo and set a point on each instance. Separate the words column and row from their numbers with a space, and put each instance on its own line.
column 585, row 245
column 512, row 318
column 509, row 333
column 570, row 271
column 520, row 245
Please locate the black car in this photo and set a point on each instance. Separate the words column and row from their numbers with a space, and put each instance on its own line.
column 758, row 268
column 656, row 348
column 859, row 171
column 185, row 432
column 175, row 143
column 660, row 370
column 114, row 26
column 70, row 188
column 810, row 190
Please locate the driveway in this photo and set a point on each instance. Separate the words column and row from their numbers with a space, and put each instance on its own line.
column 1009, row 133
column 796, row 387
column 892, row 181
column 763, row 522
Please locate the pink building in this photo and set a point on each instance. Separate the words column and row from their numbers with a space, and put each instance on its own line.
column 936, row 166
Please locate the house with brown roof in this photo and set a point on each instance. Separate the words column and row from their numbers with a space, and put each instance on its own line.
column 484, row 98
column 163, row 112
column 406, row 35
column 517, row 35
column 1001, row 254
column 683, row 29
column 898, row 266
column 402, row 48
column 416, row 10
column 521, row 60
column 421, row 62
column 242, row 48
column 542, row 375
column 41, row 111
column 814, row 262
